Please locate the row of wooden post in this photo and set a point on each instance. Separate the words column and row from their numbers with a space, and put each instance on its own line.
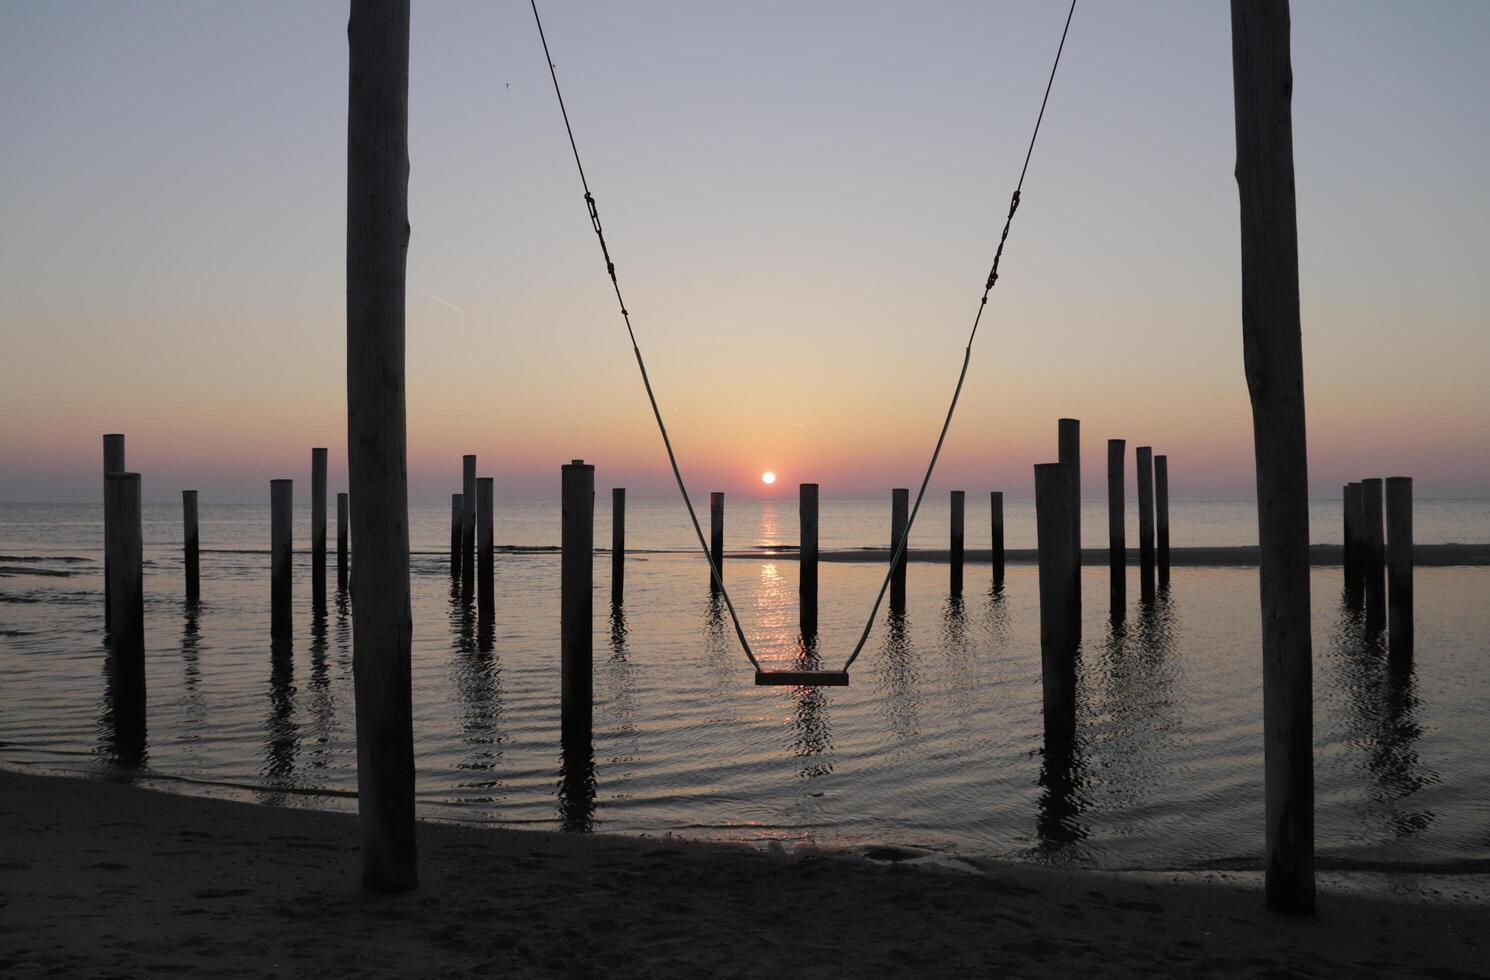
column 1373, row 561
column 473, row 536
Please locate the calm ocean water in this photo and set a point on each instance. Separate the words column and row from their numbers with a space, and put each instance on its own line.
column 935, row 744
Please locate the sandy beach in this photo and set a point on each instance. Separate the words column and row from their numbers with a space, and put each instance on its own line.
column 104, row 879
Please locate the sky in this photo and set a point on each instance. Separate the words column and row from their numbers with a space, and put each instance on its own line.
column 802, row 201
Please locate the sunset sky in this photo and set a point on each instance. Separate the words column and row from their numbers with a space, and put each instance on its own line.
column 802, row 201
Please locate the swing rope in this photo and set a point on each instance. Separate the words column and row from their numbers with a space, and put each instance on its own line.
column 993, row 275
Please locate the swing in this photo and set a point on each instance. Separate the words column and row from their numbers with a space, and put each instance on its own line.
column 799, row 678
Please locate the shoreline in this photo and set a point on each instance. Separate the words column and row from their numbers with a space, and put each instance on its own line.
column 103, row 877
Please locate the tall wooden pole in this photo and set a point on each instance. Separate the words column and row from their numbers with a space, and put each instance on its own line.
column 1355, row 512
column 1373, row 553
column 716, row 536
column 576, row 601
column 318, row 529
column 342, row 517
column 1399, row 565
column 281, row 555
column 1068, row 443
column 377, row 255
column 900, row 499
column 957, row 542
column 192, row 540
column 457, row 504
column 113, row 462
column 124, row 557
column 1117, row 529
column 618, row 545
column 996, row 517
column 807, row 555
column 1060, row 604
column 1161, row 515
column 468, row 526
column 1144, row 458
column 1272, row 346
column 486, row 557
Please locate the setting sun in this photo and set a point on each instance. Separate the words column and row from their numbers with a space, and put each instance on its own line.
column 768, row 477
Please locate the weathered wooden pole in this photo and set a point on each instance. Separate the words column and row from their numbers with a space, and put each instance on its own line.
column 1068, row 443
column 617, row 545
column 716, row 537
column 486, row 552
column 1272, row 346
column 318, row 529
column 281, row 511
column 900, row 499
column 1161, row 515
column 1060, row 604
column 342, row 517
column 124, row 551
column 807, row 555
column 576, row 600
column 1355, row 513
column 1373, row 554
column 377, row 437
column 996, row 516
column 113, row 462
column 192, row 540
column 1145, row 460
column 1399, row 565
column 457, row 503
column 1345, row 533
column 1117, row 529
column 124, row 558
column 956, row 542
column 468, row 526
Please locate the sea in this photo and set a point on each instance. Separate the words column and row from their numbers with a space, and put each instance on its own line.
column 935, row 747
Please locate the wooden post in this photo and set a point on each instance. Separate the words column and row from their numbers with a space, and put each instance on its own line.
column 1346, row 532
column 1273, row 350
column 618, row 546
column 342, row 516
column 124, row 550
column 1145, row 461
column 1373, row 554
column 716, row 537
column 486, row 557
column 1161, row 515
column 192, row 541
column 457, row 502
column 807, row 555
column 377, row 437
column 1399, row 565
column 318, row 529
column 576, row 600
column 1355, row 521
column 468, row 526
column 1068, row 444
column 113, row 462
column 996, row 517
column 1060, row 604
column 124, row 558
column 281, row 511
column 900, row 499
column 1117, row 528
column 956, row 542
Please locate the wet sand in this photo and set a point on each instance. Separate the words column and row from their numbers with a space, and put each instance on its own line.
column 104, row 879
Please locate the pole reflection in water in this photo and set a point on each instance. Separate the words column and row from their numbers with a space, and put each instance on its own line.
column 959, row 649
column 898, row 677
column 620, row 685
column 344, row 632
column 1133, row 720
column 812, row 732
column 1381, row 721
column 322, row 704
column 121, row 715
column 194, row 707
column 281, row 731
column 478, row 688
column 998, row 610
